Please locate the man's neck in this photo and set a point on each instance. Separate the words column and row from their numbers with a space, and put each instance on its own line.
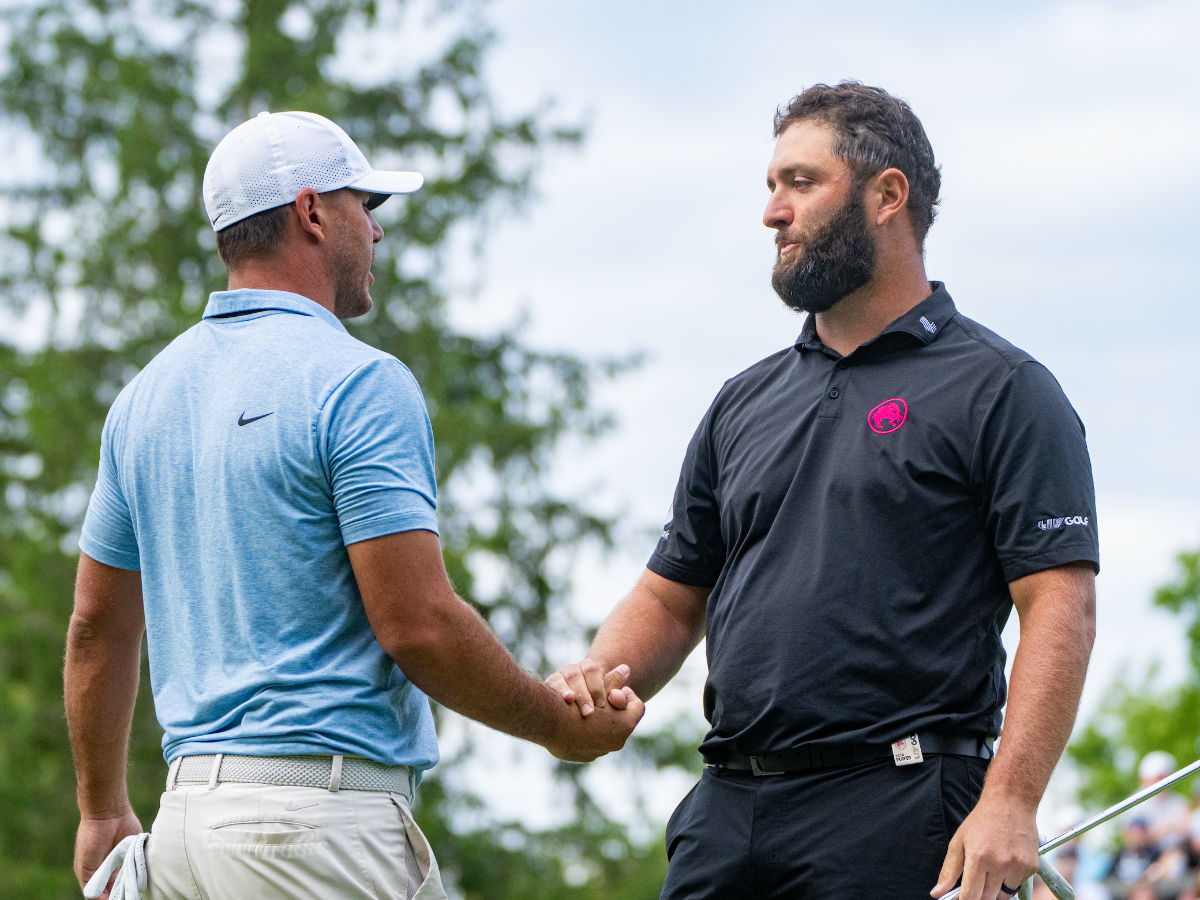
column 864, row 314
column 291, row 275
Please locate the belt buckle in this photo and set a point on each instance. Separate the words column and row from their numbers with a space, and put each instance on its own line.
column 758, row 770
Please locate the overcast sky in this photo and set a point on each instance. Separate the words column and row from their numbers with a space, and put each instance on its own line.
column 1067, row 135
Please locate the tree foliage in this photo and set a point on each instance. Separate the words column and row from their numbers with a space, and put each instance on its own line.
column 1136, row 719
column 110, row 110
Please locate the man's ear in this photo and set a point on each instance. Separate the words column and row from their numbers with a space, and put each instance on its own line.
column 311, row 211
column 887, row 194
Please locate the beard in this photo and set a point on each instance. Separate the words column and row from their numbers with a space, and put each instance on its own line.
column 831, row 260
column 351, row 293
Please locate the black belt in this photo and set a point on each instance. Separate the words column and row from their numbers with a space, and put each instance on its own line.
column 816, row 756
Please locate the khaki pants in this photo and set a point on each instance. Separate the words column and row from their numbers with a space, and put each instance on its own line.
column 265, row 842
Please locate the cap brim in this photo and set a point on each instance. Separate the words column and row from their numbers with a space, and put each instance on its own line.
column 376, row 182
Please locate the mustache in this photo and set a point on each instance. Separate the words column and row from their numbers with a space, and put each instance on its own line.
column 785, row 237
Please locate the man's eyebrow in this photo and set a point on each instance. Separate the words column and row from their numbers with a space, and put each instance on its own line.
column 787, row 173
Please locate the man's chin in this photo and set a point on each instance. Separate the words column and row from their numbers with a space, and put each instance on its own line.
column 811, row 304
column 360, row 307
column 819, row 293
column 801, row 298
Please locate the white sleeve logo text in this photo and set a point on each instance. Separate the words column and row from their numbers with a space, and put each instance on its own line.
column 1051, row 524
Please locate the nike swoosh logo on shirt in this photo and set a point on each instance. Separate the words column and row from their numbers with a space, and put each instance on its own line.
column 291, row 808
column 242, row 420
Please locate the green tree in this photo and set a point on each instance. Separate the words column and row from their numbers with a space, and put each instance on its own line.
column 111, row 108
column 1148, row 715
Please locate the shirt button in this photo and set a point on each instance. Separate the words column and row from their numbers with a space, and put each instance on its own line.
column 834, row 393
column 842, row 364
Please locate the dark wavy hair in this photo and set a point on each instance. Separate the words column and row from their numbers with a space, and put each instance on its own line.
column 874, row 131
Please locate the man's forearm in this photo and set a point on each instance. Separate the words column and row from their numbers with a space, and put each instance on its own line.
column 100, row 681
column 1057, row 631
column 651, row 634
column 997, row 843
column 448, row 651
column 464, row 667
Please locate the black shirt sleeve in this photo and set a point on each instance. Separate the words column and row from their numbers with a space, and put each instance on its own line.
column 1033, row 476
column 692, row 549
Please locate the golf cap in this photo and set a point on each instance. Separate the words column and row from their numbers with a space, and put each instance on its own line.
column 267, row 161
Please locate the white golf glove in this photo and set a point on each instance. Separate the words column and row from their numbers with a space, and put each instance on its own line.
column 132, row 879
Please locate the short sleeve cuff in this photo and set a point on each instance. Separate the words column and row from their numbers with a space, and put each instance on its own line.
column 110, row 556
column 414, row 520
column 1065, row 554
column 673, row 572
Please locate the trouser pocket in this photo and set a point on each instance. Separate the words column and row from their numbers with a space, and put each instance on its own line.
column 421, row 864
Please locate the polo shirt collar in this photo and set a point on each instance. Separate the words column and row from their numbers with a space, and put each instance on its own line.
column 924, row 321
column 224, row 302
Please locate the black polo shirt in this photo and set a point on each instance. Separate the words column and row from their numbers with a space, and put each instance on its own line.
column 859, row 520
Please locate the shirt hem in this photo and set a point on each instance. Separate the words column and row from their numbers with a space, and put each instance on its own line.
column 110, row 557
column 1048, row 559
column 668, row 570
column 390, row 524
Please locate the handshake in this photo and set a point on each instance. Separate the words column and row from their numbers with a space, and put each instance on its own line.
column 599, row 711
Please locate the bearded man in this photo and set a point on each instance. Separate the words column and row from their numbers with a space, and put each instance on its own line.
column 856, row 517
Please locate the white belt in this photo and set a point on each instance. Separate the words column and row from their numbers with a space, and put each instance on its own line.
column 333, row 773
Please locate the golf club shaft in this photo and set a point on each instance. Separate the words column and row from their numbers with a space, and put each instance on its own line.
column 1145, row 794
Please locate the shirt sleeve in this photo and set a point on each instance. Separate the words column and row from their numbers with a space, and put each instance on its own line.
column 1034, row 476
column 378, row 447
column 691, row 549
column 108, row 534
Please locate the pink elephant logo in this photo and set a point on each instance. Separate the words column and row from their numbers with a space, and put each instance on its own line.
column 888, row 416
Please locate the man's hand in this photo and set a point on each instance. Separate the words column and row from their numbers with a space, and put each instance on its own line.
column 589, row 687
column 96, row 838
column 583, row 740
column 995, row 847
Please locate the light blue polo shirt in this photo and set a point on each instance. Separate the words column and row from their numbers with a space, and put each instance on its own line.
column 234, row 470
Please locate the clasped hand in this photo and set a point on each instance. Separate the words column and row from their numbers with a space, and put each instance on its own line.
column 608, row 708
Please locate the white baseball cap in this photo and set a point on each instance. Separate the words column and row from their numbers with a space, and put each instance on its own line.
column 1156, row 765
column 267, row 161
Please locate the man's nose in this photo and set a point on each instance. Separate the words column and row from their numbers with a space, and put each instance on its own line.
column 777, row 215
column 376, row 231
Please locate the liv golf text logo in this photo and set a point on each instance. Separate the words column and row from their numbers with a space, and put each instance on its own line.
column 1049, row 524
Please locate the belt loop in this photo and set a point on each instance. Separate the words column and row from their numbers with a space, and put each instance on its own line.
column 215, row 775
column 335, row 773
column 173, row 772
column 412, row 785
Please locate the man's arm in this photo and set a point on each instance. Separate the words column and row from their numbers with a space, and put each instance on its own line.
column 651, row 631
column 100, row 680
column 997, row 844
column 446, row 650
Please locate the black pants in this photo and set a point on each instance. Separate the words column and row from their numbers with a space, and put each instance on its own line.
column 876, row 830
